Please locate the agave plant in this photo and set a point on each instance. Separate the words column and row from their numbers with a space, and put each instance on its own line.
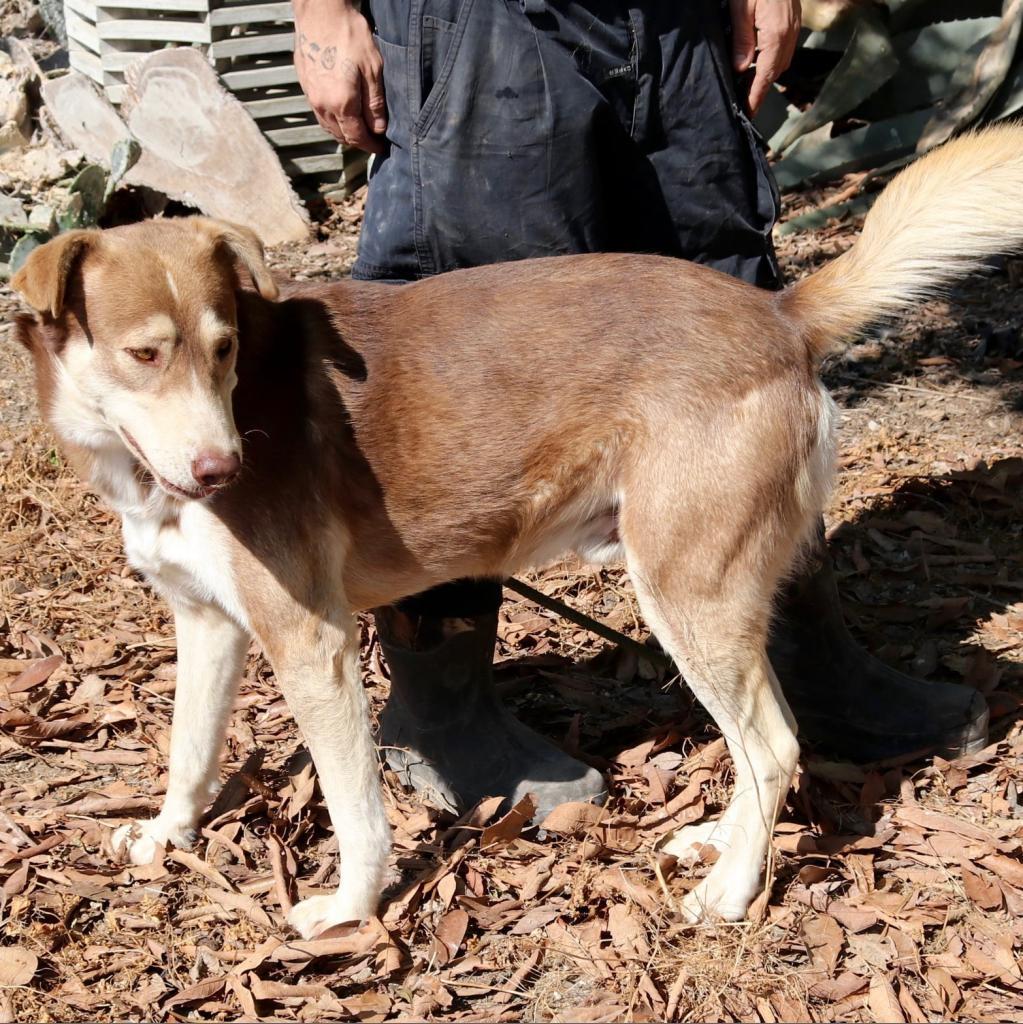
column 906, row 75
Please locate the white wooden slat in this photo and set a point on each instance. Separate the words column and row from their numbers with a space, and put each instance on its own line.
column 155, row 30
column 119, row 59
column 275, row 73
column 142, row 7
column 301, row 135
column 247, row 46
column 84, row 8
column 312, row 164
column 251, row 14
column 85, row 61
column 81, row 30
column 277, row 106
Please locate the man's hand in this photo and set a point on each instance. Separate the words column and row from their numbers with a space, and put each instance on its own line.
column 341, row 71
column 767, row 31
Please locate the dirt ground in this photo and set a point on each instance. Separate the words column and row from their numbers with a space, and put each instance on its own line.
column 898, row 889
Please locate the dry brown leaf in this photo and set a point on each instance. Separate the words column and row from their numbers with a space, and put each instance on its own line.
column 824, row 939
column 34, row 674
column 450, row 933
column 280, row 990
column 361, row 940
column 200, row 990
column 535, row 919
column 982, row 890
column 368, row 1006
column 572, row 818
column 17, row 965
column 834, row 990
column 1005, row 867
column 628, row 934
column 508, row 827
column 242, row 903
column 912, row 1009
column 194, row 863
column 242, row 992
column 446, row 889
column 935, row 822
column 946, row 988
column 1005, row 973
column 854, row 919
column 883, row 1002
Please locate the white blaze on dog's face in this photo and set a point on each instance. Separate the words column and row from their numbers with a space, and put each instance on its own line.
column 141, row 324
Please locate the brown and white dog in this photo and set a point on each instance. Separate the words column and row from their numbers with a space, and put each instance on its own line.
column 281, row 462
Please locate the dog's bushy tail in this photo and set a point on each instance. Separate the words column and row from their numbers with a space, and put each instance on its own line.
column 939, row 219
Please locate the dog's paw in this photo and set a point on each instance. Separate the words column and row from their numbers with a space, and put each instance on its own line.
column 714, row 901
column 318, row 914
column 684, row 843
column 140, row 842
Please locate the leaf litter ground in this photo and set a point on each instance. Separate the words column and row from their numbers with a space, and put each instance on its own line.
column 897, row 891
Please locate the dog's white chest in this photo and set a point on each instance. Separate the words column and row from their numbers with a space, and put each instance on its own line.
column 184, row 557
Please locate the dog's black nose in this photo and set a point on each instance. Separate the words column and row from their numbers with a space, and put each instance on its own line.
column 212, row 469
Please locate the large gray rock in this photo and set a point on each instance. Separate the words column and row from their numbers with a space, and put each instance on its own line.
column 199, row 144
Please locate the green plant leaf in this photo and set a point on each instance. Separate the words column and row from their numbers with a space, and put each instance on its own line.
column 123, row 157
column 71, row 215
column 865, row 66
column 21, row 249
column 91, row 184
column 813, row 158
column 1009, row 98
column 974, row 84
column 929, row 58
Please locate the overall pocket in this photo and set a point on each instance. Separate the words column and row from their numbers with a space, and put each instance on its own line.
column 436, row 30
column 438, row 36
column 396, row 73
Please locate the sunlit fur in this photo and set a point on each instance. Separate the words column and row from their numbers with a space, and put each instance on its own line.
column 475, row 423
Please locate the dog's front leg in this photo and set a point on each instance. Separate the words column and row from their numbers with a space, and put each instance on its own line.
column 211, row 656
column 317, row 667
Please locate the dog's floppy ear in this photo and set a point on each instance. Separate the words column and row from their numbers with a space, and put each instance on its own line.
column 244, row 245
column 42, row 281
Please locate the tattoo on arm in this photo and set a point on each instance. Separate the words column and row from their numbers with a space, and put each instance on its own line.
column 310, row 48
column 329, row 57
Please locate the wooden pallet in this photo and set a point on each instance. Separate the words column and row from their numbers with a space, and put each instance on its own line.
column 248, row 42
column 83, row 39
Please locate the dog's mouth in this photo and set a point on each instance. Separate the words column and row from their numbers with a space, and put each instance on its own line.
column 163, row 482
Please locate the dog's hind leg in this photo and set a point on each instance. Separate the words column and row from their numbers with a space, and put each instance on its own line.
column 211, row 656
column 706, row 594
column 316, row 663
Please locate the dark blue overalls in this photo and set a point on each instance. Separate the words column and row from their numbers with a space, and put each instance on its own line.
column 523, row 128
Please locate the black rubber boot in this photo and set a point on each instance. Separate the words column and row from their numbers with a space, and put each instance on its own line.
column 446, row 732
column 848, row 703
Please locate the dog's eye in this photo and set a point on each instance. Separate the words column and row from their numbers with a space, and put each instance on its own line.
column 224, row 349
column 143, row 355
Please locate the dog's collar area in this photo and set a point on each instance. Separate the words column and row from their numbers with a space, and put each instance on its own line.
column 172, row 489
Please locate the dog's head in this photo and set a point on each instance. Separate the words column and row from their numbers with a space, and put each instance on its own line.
column 135, row 340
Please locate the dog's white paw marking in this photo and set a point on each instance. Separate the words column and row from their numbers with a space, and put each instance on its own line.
column 141, row 841
column 714, row 900
column 315, row 915
column 725, row 894
column 684, row 843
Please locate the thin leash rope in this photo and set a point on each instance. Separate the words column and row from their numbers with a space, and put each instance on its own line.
column 601, row 629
